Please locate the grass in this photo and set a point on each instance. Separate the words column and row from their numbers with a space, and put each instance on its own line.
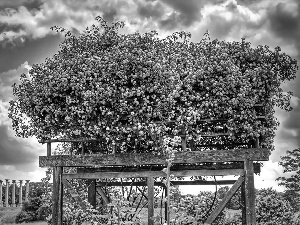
column 8, row 215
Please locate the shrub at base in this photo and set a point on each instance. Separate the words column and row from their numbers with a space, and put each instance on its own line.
column 272, row 208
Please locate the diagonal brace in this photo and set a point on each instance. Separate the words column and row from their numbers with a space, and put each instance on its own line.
column 225, row 200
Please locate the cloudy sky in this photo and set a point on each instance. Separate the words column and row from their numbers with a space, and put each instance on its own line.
column 25, row 39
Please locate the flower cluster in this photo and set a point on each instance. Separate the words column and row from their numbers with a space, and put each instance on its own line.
column 131, row 91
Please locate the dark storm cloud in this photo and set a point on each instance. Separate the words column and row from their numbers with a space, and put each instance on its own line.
column 185, row 13
column 109, row 15
column 151, row 10
column 293, row 124
column 285, row 23
column 13, row 27
column 33, row 51
column 29, row 4
column 13, row 151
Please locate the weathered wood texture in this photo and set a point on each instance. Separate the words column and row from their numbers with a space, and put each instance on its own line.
column 48, row 149
column 92, row 192
column 173, row 183
column 174, row 167
column 57, row 196
column 249, row 194
column 183, row 173
column 224, row 201
column 98, row 160
column 150, row 184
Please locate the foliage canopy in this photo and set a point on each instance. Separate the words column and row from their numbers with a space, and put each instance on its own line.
column 125, row 89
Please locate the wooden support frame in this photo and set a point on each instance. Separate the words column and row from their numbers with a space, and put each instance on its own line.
column 182, row 160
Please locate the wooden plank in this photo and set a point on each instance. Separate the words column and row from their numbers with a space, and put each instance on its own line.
column 250, row 216
column 57, row 196
column 184, row 173
column 129, row 159
column 173, row 183
column 150, row 184
column 92, row 192
column 224, row 201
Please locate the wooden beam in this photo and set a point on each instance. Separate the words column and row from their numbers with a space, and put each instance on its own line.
column 224, row 201
column 174, row 167
column 57, row 196
column 173, row 183
column 71, row 140
column 150, row 184
column 129, row 159
column 184, row 173
column 92, row 192
column 103, row 195
column 249, row 190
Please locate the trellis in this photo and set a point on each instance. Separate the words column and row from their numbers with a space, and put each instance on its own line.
column 236, row 161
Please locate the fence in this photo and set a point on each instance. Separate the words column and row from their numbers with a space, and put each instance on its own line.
column 13, row 193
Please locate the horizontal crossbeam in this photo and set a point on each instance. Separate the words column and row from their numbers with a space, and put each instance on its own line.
column 173, row 183
column 183, row 173
column 174, row 167
column 131, row 159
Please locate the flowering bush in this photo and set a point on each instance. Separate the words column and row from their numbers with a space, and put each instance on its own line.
column 125, row 89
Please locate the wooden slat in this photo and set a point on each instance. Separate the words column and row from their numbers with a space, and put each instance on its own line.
column 224, row 201
column 98, row 160
column 183, row 173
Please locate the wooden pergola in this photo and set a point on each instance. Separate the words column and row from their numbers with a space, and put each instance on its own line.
column 239, row 162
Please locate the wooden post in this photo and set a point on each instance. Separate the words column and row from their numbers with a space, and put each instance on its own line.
column 166, row 203
column 57, row 196
column 49, row 149
column 1, row 203
column 249, row 194
column 92, row 192
column 150, row 184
